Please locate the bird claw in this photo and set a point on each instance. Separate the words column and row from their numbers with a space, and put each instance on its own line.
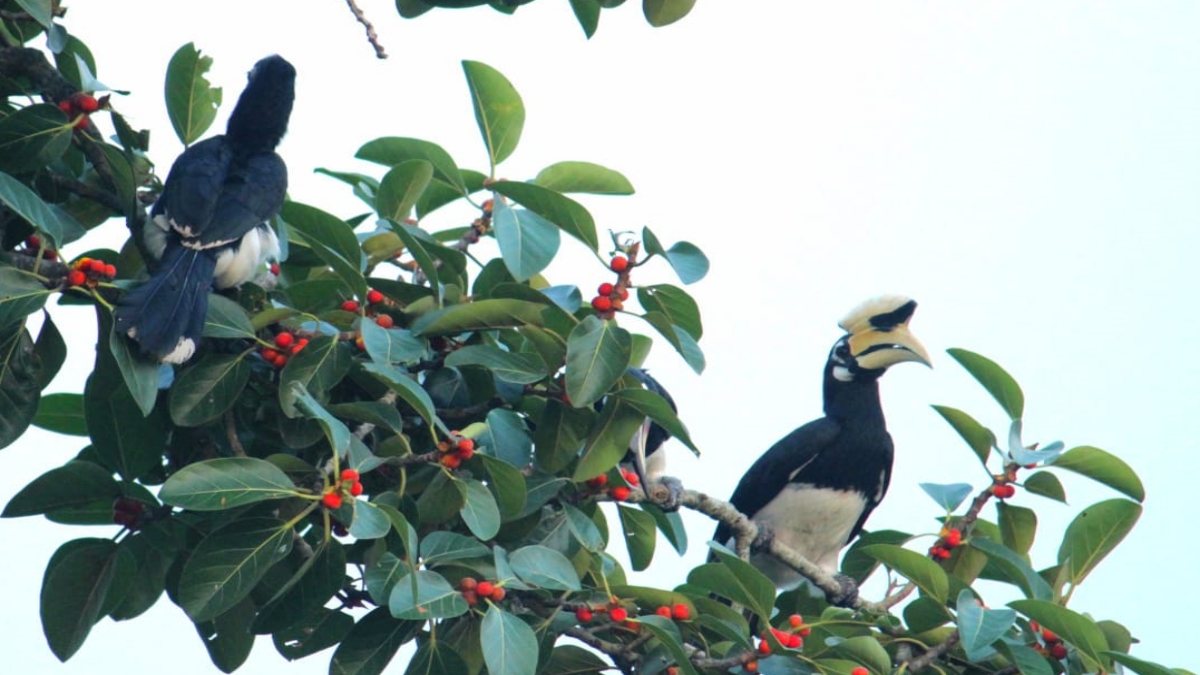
column 847, row 596
column 762, row 541
column 666, row 493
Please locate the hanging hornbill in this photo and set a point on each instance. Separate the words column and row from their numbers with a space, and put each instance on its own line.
column 645, row 452
column 208, row 227
column 814, row 489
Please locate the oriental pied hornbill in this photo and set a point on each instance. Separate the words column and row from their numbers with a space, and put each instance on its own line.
column 814, row 489
column 208, row 228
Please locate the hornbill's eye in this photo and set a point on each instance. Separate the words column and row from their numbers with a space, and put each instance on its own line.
column 843, row 350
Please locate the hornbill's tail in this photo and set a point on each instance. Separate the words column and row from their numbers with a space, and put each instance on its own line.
column 166, row 313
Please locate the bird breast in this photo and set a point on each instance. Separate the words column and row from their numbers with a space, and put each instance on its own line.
column 815, row 522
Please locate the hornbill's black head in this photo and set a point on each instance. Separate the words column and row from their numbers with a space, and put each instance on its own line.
column 260, row 118
column 877, row 337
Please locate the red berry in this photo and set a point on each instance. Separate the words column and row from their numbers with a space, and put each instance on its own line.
column 795, row 621
column 76, row 278
column 1049, row 635
column 374, row 296
column 385, row 321
column 468, row 584
column 296, row 348
column 350, row 305
column 50, row 254
column 672, row 670
column 618, row 614
column 466, row 444
column 583, row 615
column 332, row 500
column 356, row 488
column 598, row 481
column 860, row 671
column 953, row 538
column 33, row 241
column 752, row 666
column 110, row 271
column 624, row 294
column 605, row 289
column 1058, row 650
column 804, row 632
column 349, row 474
column 65, row 106
column 764, row 647
column 680, row 612
column 602, row 303
column 86, row 102
column 498, row 593
column 485, row 588
column 619, row 263
column 464, row 455
column 451, row 462
column 487, row 205
column 793, row 642
column 280, row 360
column 1033, row 625
column 620, row 493
column 664, row 612
column 96, row 266
column 630, row 477
column 269, row 354
column 472, row 598
column 275, row 269
column 284, row 340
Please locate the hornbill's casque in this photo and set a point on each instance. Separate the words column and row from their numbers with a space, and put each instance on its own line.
column 645, row 453
column 208, row 228
column 814, row 489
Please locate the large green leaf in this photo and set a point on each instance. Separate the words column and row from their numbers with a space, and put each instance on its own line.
column 512, row 367
column 58, row 225
column 1012, row 566
column 50, row 349
column 544, row 567
column 19, row 386
column 401, row 187
column 74, row 484
column 736, row 580
column 499, row 111
column 140, row 375
column 208, row 388
column 598, row 353
column 1140, row 666
column 393, row 150
column 1103, row 467
column 674, row 303
column 229, row 563
column 480, row 513
column 436, row 657
column 125, row 439
column 1018, row 525
column 478, row 315
column 509, row 644
column 583, row 177
column 228, row 638
column 75, row 590
column 507, row 437
column 425, row 595
column 335, row 430
column 226, row 319
column 979, row 437
column 572, row 659
column 978, row 628
column 689, row 262
column 406, row 388
column 62, row 413
column 926, row 574
column 1072, row 627
column 507, row 484
column 527, row 241
column 609, row 439
column 316, row 632
column 569, row 215
column 316, row 369
column 994, row 379
column 560, row 434
column 371, row 644
column 1046, row 484
column 224, row 483
column 191, row 101
column 388, row 346
column 326, row 229
column 669, row 637
column 681, row 340
column 657, row 409
column 1094, row 533
column 664, row 12
column 33, row 137
column 640, row 537
column 21, row 294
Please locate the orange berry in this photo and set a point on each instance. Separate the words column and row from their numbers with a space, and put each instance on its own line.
column 795, row 621
column 624, row 294
column 620, row 493
column 358, row 342
column 110, row 271
column 602, row 303
column 471, row 597
column 96, row 266
column 284, row 340
column 451, row 462
column 793, row 642
column 468, row 584
column 953, row 538
column 619, row 614
column 332, row 500
column 764, row 647
column 1049, row 635
column 680, row 612
column 384, row 321
column 349, row 474
column 583, row 615
column 356, row 488
column 464, row 455
column 752, row 666
column 296, row 348
column 485, row 588
column 860, row 671
column 76, row 278
column 350, row 306
column 269, row 354
column 664, row 612
column 487, row 205
column 374, row 297
column 619, row 264
column 672, row 670
column 498, row 593
column 280, row 360
column 598, row 481
column 630, row 477
column 466, row 444
column 66, row 107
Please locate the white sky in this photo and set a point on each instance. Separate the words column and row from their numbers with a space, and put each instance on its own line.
column 1026, row 172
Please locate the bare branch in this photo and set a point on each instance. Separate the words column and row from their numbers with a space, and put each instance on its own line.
column 371, row 36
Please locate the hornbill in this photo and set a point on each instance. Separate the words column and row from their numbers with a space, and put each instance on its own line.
column 208, row 228
column 814, row 489
column 645, row 453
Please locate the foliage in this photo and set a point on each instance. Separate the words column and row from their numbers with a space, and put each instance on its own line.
column 437, row 419
column 587, row 12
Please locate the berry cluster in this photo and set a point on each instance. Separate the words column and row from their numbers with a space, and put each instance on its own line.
column 348, row 484
column 33, row 244
column 1052, row 645
column 89, row 272
column 1003, row 490
column 948, row 539
column 79, row 105
column 618, row 493
column 455, row 451
column 473, row 590
column 610, row 298
column 286, row 344
column 616, row 613
column 129, row 513
column 676, row 612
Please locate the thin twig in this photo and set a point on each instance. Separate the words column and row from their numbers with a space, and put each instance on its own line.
column 371, row 36
column 231, row 435
column 925, row 660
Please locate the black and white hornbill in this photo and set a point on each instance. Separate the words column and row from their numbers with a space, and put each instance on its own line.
column 814, row 489
column 208, row 228
column 645, row 452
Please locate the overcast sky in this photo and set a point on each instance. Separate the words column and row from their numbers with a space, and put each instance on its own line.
column 1025, row 170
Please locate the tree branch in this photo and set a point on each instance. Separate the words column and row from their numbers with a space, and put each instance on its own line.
column 371, row 35
column 933, row 653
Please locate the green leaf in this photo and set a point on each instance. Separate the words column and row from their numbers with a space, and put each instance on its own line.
column 583, row 177
column 681, row 340
column 609, row 439
column 75, row 590
column 1028, row 661
column 499, row 111
column 509, row 644
column 125, row 440
column 219, row 484
column 567, row 214
column 858, row 565
column 32, row 138
column 507, row 484
column 478, row 315
column 1072, row 627
column 994, row 379
column 657, row 409
column 50, row 349
column 425, row 595
column 598, row 353
column 1140, row 666
column 393, row 150
column 979, row 627
column 926, row 574
column 480, row 512
column 507, row 438
column 925, row 613
column 638, row 527
column 689, row 262
column 331, row 232
column 544, row 567
column 59, row 226
column 1046, row 484
column 977, row 436
column 139, row 375
column 1014, row 567
column 442, row 546
column 1094, row 533
column 670, row 524
column 314, row 633
column 527, row 241
column 228, row 637
column 1103, row 467
column 406, row 388
column 675, row 304
column 381, row 577
column 369, row 521
column 335, row 431
column 668, row 635
column 74, row 484
column 19, row 385
column 436, row 657
column 371, row 644
column 865, row 650
column 401, row 187
column 572, row 659
column 21, row 294
column 208, row 388
column 62, row 413
column 1018, row 525
column 560, row 434
column 949, row 497
column 316, row 369
column 226, row 319
column 41, row 11
column 512, row 367
column 736, row 580
column 388, row 346
column 660, row 13
column 584, row 529
column 191, row 101
column 229, row 563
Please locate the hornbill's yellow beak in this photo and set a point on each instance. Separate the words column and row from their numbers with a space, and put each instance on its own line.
column 879, row 334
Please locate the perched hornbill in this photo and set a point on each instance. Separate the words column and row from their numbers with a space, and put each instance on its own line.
column 208, row 227
column 645, row 448
column 814, row 489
